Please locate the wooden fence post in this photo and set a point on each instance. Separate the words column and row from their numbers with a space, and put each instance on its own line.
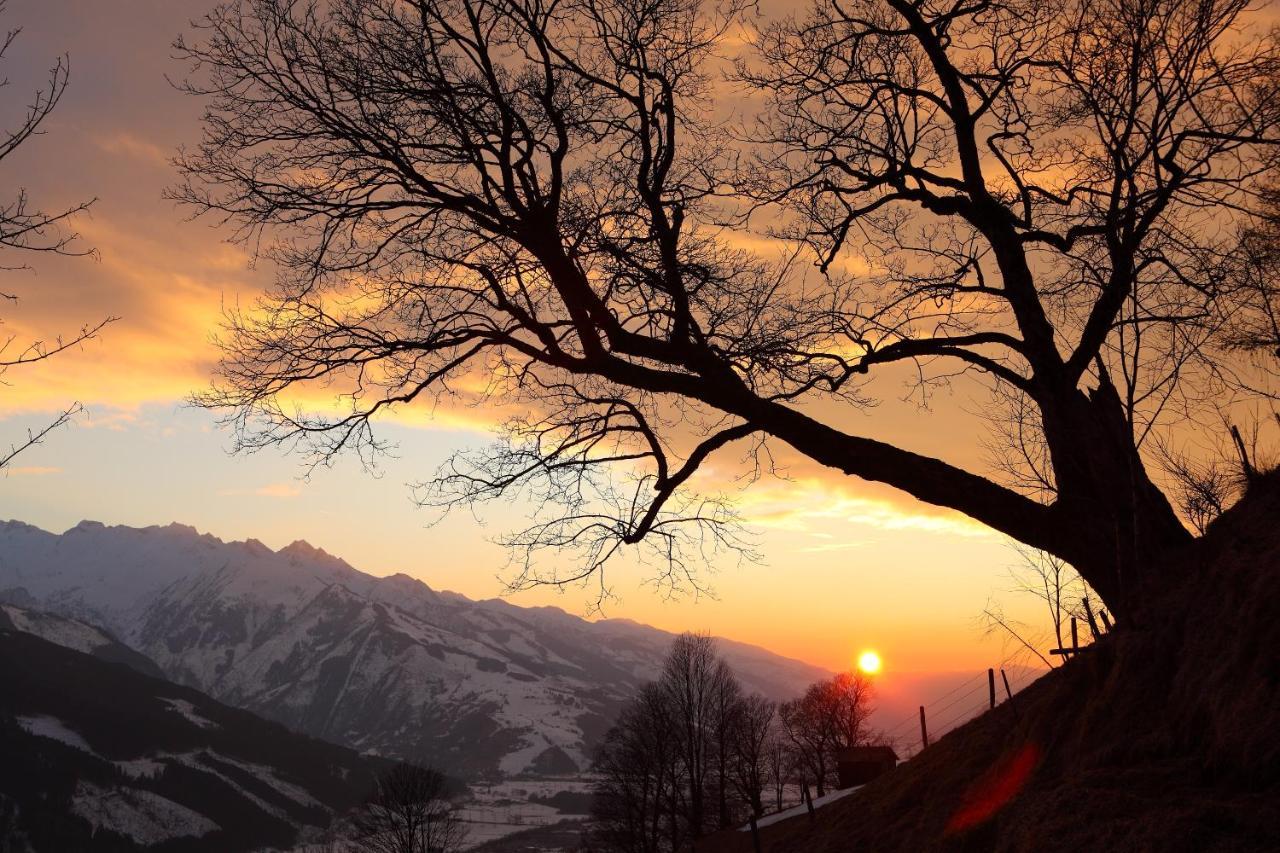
column 1250, row 473
column 1075, row 639
column 991, row 685
column 1106, row 620
column 1008, row 692
column 924, row 730
column 1093, row 624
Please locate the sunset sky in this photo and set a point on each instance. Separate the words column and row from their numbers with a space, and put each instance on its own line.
column 845, row 565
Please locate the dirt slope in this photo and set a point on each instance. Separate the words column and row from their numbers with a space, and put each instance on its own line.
column 1162, row 737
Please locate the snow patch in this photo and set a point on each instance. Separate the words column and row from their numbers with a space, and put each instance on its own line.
column 55, row 729
column 55, row 629
column 794, row 811
column 520, row 759
column 186, row 709
column 497, row 810
column 145, row 817
column 266, row 774
column 200, row 761
column 140, row 768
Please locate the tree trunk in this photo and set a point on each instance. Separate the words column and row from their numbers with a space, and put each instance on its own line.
column 1111, row 521
column 722, row 788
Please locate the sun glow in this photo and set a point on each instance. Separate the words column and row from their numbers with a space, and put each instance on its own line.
column 869, row 662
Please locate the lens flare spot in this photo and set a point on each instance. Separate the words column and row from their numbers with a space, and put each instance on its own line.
column 994, row 789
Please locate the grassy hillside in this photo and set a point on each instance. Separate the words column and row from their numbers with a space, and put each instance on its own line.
column 1164, row 736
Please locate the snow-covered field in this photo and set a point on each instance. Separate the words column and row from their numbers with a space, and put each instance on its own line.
column 187, row 710
column 72, row 635
column 146, row 817
column 795, row 811
column 140, row 768
column 505, row 808
column 52, row 727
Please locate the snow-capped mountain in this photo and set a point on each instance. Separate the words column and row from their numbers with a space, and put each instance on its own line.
column 383, row 664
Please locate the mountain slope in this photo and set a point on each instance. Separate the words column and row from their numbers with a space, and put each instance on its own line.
column 76, row 635
column 98, row 756
column 380, row 664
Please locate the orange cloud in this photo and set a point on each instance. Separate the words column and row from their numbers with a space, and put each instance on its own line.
column 127, row 144
column 805, row 504
column 31, row 471
column 827, row 547
column 271, row 490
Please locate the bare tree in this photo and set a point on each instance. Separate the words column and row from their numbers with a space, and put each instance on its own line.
column 1257, row 330
column 692, row 754
column 410, row 812
column 831, row 715
column 754, row 735
column 1055, row 192
column 727, row 707
column 781, row 761
column 1203, row 486
column 531, row 193
column 686, row 757
column 1061, row 590
column 637, row 800
column 703, row 696
column 849, row 699
column 25, row 228
column 1212, row 469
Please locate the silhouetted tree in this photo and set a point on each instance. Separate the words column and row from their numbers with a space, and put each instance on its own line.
column 1048, row 194
column 1058, row 586
column 637, row 802
column 1056, row 193
column 693, row 740
column 410, row 812
column 702, row 694
column 24, row 228
column 1203, row 486
column 753, row 735
column 809, row 740
column 683, row 758
column 781, row 762
column 1257, row 331
column 727, row 707
column 830, row 716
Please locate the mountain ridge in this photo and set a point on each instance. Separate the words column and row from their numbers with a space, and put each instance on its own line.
column 383, row 664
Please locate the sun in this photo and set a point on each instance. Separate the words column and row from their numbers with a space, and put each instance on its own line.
column 869, row 662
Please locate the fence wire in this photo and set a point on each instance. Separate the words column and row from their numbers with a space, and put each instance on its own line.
column 955, row 708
